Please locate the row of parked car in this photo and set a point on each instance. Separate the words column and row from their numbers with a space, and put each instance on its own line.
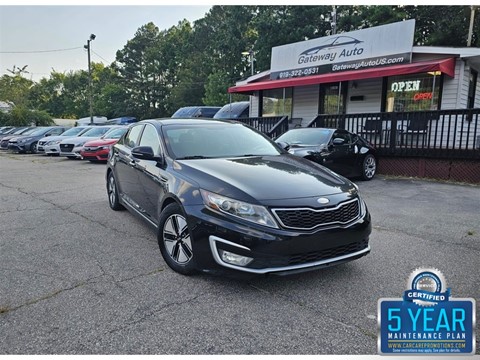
column 234, row 110
column 88, row 142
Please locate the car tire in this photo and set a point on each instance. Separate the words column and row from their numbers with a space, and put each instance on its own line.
column 33, row 148
column 175, row 241
column 112, row 192
column 369, row 167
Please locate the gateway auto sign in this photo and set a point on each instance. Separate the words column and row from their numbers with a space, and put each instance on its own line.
column 374, row 47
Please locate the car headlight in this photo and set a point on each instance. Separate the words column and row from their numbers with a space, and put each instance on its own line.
column 253, row 213
column 25, row 140
column 80, row 144
column 106, row 147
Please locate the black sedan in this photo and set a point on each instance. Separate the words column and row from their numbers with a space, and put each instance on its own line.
column 224, row 197
column 345, row 153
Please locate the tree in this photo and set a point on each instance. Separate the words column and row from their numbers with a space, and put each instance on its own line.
column 137, row 69
column 15, row 89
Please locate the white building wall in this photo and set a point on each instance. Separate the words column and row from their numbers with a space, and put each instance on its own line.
column 371, row 90
column 254, row 105
column 305, row 103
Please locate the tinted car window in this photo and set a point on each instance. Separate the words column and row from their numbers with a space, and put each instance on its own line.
column 131, row 139
column 95, row 131
column 307, row 136
column 347, row 139
column 208, row 112
column 150, row 138
column 56, row 131
column 216, row 141
column 73, row 131
column 234, row 111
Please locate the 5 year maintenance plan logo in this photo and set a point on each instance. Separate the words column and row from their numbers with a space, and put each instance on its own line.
column 427, row 320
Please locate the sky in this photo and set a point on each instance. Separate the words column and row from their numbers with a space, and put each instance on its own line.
column 27, row 31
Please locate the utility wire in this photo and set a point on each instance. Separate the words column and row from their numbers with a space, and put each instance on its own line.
column 100, row 56
column 39, row 51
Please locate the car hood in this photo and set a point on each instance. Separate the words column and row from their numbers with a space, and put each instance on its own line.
column 101, row 142
column 78, row 140
column 265, row 177
column 57, row 137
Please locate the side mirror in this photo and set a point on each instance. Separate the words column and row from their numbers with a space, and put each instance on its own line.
column 48, row 134
column 283, row 145
column 145, row 153
column 338, row 141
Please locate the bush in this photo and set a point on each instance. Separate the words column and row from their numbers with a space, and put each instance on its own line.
column 20, row 116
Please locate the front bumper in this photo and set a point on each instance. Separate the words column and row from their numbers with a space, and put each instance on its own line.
column 99, row 155
column 16, row 147
column 74, row 153
column 276, row 251
column 51, row 149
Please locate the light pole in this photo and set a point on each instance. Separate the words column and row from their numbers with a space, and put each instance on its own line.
column 250, row 57
column 92, row 37
column 470, row 28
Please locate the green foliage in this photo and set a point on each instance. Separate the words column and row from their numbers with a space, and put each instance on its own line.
column 158, row 71
column 21, row 116
column 15, row 89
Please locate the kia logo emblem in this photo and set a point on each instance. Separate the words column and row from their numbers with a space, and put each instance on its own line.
column 323, row 200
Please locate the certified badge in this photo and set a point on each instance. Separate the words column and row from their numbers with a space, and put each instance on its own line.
column 426, row 321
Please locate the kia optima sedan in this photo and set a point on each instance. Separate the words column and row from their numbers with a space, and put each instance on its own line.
column 223, row 197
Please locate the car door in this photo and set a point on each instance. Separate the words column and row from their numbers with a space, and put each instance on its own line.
column 152, row 177
column 341, row 157
column 125, row 167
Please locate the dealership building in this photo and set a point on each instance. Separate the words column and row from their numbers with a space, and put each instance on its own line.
column 371, row 70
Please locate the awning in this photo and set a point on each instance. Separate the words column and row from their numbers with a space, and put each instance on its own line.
column 446, row 66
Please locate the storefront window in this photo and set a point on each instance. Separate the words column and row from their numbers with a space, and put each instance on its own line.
column 332, row 98
column 277, row 102
column 413, row 92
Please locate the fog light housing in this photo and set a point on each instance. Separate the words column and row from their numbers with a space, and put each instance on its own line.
column 234, row 259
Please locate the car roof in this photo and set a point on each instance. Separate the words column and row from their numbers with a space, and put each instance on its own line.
column 186, row 121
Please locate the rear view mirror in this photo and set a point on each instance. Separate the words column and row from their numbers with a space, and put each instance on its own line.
column 146, row 153
column 338, row 141
column 283, row 145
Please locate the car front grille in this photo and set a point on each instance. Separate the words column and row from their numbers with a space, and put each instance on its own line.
column 308, row 219
column 91, row 148
column 310, row 257
column 66, row 147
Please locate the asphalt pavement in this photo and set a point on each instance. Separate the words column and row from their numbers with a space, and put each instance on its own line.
column 79, row 278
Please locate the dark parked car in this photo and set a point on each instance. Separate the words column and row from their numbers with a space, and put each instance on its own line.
column 29, row 142
column 223, row 196
column 196, row 112
column 18, row 131
column 345, row 153
column 235, row 110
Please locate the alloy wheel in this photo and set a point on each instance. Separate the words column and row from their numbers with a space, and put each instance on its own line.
column 176, row 238
column 370, row 167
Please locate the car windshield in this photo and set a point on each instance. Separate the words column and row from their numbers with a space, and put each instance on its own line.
column 307, row 136
column 73, row 131
column 115, row 133
column 27, row 131
column 216, row 141
column 231, row 111
column 18, row 131
column 96, row 131
column 37, row 131
column 185, row 112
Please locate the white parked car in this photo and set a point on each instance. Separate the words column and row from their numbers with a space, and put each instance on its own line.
column 51, row 145
column 71, row 147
